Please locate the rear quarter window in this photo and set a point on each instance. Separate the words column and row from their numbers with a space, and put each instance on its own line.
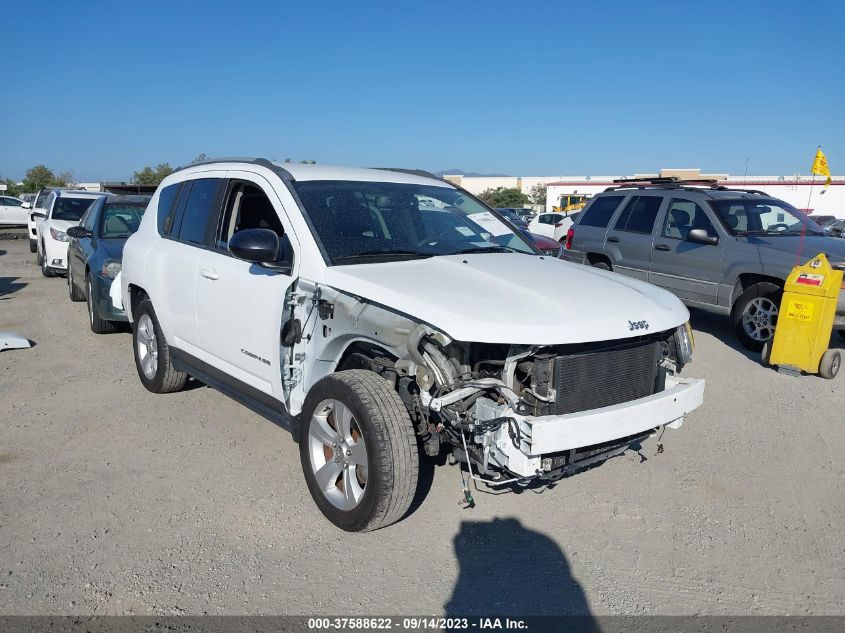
column 164, row 211
column 598, row 213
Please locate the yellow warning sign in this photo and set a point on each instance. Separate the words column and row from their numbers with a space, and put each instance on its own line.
column 799, row 310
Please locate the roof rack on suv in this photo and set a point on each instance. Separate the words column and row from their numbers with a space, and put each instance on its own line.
column 673, row 182
column 413, row 172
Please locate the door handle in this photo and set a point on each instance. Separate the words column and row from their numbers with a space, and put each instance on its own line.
column 662, row 247
column 613, row 238
column 210, row 274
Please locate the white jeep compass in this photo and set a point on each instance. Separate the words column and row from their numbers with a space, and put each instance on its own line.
column 385, row 313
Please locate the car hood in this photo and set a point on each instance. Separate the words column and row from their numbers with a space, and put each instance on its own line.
column 513, row 299
column 810, row 246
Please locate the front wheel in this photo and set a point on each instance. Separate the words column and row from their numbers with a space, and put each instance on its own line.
column 72, row 291
column 358, row 450
column 755, row 315
column 45, row 269
column 33, row 246
column 98, row 325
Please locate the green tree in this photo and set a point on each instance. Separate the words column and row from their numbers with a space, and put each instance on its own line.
column 152, row 175
column 39, row 177
column 12, row 187
column 538, row 194
column 504, row 197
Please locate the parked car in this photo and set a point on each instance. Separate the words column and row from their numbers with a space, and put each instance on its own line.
column 64, row 208
column 724, row 250
column 553, row 225
column 13, row 211
column 323, row 298
column 823, row 220
column 40, row 206
column 513, row 217
column 546, row 245
column 834, row 228
column 94, row 256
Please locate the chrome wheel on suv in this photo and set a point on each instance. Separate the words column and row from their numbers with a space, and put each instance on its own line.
column 755, row 314
column 759, row 319
column 338, row 454
column 145, row 340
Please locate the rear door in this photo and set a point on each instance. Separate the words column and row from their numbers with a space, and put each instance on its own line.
column 241, row 307
column 589, row 234
column 173, row 263
column 630, row 240
column 690, row 270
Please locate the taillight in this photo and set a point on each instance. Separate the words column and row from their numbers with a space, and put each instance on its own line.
column 559, row 224
column 569, row 235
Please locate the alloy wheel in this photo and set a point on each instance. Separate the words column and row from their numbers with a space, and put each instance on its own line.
column 760, row 318
column 145, row 341
column 338, row 454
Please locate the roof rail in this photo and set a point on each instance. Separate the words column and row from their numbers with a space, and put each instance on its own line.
column 263, row 162
column 412, row 172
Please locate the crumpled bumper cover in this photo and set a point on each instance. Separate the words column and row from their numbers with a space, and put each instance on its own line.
column 555, row 433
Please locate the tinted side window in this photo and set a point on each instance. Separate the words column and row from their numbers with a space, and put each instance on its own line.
column 600, row 211
column 164, row 212
column 639, row 214
column 197, row 210
column 682, row 217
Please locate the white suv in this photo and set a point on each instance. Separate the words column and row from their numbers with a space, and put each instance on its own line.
column 62, row 209
column 382, row 314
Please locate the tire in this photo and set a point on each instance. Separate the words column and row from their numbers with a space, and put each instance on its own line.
column 767, row 353
column 147, row 335
column 98, row 325
column 602, row 265
column 33, row 246
column 830, row 364
column 390, row 452
column 73, row 292
column 42, row 260
column 754, row 314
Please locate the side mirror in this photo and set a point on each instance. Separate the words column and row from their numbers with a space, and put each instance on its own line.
column 701, row 236
column 259, row 246
column 26, row 205
column 79, row 232
column 38, row 214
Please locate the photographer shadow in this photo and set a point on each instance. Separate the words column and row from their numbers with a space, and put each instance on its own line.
column 509, row 570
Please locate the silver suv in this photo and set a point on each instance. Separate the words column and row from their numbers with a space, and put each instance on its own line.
column 724, row 250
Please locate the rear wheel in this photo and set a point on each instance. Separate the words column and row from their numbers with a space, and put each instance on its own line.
column 98, row 325
column 152, row 354
column 755, row 315
column 358, row 450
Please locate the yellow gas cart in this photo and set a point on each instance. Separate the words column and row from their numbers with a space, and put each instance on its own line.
column 805, row 321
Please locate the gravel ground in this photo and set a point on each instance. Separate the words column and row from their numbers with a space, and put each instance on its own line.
column 117, row 501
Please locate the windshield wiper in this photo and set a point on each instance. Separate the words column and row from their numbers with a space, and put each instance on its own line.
column 485, row 249
column 402, row 253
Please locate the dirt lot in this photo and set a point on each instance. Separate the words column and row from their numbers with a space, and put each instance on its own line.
column 114, row 500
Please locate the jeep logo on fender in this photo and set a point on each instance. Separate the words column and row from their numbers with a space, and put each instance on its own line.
column 637, row 325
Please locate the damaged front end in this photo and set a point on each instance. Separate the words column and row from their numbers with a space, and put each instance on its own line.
column 516, row 413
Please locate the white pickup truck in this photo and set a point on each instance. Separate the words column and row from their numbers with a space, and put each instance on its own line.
column 387, row 314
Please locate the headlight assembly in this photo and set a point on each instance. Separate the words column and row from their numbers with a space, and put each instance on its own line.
column 684, row 343
column 59, row 236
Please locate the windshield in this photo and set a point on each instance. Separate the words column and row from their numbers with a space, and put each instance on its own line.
column 71, row 209
column 121, row 219
column 763, row 217
column 361, row 222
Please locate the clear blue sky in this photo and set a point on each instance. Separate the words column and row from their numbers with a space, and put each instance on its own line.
column 545, row 88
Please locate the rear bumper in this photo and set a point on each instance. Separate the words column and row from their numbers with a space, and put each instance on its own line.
column 546, row 435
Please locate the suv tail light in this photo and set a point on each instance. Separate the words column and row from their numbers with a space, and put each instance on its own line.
column 569, row 235
column 559, row 224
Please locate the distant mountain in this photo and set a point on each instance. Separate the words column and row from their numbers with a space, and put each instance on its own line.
column 470, row 174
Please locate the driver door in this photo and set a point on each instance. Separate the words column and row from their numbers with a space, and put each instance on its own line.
column 240, row 305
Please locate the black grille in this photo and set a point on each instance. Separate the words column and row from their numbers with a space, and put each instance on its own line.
column 603, row 376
